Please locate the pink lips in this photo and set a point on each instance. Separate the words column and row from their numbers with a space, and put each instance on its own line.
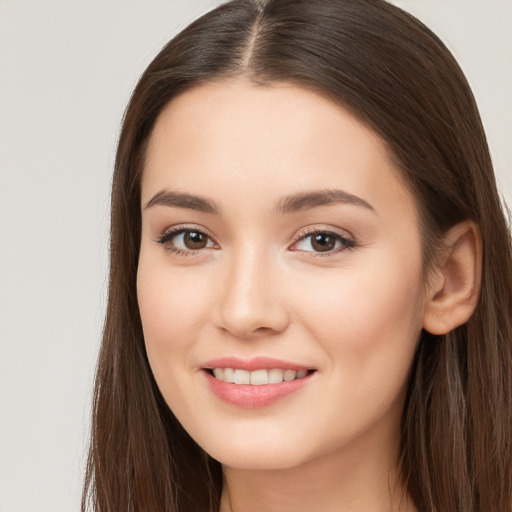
column 251, row 396
column 258, row 363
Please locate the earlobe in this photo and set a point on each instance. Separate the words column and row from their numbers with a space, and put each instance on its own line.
column 454, row 286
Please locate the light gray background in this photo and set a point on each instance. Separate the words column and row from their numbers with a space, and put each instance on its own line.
column 66, row 71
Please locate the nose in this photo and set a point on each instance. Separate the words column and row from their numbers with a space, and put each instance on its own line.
column 252, row 297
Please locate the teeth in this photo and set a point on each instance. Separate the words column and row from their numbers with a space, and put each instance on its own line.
column 289, row 375
column 275, row 376
column 229, row 375
column 242, row 377
column 258, row 377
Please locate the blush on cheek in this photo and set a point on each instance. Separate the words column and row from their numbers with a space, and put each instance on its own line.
column 368, row 312
column 171, row 306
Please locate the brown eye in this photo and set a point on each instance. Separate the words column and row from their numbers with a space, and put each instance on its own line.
column 323, row 242
column 186, row 241
column 194, row 240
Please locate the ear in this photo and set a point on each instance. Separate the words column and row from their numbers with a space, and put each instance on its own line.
column 454, row 284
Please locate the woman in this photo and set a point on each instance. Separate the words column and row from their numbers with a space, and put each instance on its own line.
column 309, row 301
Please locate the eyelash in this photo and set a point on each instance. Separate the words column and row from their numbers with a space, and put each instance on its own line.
column 347, row 244
column 173, row 232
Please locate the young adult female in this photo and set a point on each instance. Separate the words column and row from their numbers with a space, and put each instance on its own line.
column 310, row 282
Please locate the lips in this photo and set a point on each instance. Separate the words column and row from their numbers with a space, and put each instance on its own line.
column 255, row 383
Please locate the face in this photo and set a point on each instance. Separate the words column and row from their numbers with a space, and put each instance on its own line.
column 280, row 276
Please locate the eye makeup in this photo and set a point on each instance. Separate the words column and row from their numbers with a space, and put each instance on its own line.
column 185, row 240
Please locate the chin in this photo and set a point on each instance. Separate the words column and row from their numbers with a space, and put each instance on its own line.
column 256, row 455
column 257, row 460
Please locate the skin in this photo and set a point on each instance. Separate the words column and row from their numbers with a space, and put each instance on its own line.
column 258, row 288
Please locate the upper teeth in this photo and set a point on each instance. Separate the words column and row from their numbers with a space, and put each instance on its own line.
column 257, row 377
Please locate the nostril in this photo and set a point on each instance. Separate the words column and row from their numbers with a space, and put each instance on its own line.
column 263, row 330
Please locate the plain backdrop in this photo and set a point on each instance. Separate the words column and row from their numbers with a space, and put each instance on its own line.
column 66, row 72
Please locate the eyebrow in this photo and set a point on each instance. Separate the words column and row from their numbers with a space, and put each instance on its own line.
column 290, row 204
column 182, row 200
column 307, row 200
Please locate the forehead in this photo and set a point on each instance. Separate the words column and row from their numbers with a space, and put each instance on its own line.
column 253, row 117
column 269, row 140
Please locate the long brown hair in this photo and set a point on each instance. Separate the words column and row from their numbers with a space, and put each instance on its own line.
column 398, row 78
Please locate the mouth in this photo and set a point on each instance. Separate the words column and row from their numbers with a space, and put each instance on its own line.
column 259, row 377
column 257, row 382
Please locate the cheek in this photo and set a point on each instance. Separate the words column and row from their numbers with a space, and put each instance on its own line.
column 369, row 319
column 172, row 305
column 367, row 324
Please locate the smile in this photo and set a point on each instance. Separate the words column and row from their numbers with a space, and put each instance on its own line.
column 259, row 377
column 257, row 382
